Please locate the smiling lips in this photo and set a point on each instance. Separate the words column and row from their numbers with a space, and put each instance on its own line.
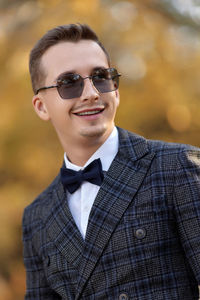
column 89, row 112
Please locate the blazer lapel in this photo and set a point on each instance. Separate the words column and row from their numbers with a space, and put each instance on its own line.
column 62, row 229
column 118, row 189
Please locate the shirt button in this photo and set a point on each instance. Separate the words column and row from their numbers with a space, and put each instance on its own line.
column 140, row 233
column 123, row 296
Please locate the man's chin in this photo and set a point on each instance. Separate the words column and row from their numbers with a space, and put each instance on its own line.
column 91, row 132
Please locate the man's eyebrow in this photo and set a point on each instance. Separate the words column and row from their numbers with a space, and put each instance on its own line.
column 98, row 68
column 65, row 73
column 75, row 72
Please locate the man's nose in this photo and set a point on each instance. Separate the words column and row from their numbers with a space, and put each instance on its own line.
column 89, row 91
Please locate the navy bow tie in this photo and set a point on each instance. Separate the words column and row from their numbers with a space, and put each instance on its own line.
column 72, row 179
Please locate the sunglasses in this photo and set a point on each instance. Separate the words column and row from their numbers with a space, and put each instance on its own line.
column 71, row 85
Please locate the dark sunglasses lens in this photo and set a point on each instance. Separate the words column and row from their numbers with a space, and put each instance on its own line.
column 70, row 86
column 106, row 80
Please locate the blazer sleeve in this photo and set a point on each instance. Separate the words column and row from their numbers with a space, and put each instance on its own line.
column 37, row 287
column 186, row 197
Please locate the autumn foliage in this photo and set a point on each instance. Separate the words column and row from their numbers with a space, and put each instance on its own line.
column 156, row 50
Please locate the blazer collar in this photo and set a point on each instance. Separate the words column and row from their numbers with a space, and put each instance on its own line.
column 60, row 225
column 131, row 146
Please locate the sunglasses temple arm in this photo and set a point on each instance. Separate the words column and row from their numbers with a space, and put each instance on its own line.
column 45, row 88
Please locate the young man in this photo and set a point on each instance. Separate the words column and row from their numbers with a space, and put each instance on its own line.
column 121, row 220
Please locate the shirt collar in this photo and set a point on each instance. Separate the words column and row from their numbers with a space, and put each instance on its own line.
column 105, row 152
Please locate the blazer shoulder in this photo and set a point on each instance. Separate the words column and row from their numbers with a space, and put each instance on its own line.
column 135, row 146
column 34, row 210
column 175, row 156
column 161, row 148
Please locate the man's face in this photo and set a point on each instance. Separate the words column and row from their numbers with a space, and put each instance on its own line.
column 69, row 117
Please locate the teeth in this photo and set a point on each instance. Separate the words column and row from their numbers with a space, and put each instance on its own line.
column 85, row 113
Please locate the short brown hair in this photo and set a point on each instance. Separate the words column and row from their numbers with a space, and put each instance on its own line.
column 70, row 32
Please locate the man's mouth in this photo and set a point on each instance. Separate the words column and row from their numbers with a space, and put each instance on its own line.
column 89, row 112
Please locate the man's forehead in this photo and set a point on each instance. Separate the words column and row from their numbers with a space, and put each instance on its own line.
column 72, row 49
column 67, row 56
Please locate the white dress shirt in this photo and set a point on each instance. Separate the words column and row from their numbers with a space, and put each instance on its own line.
column 81, row 201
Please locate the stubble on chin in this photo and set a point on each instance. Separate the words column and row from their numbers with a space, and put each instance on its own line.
column 96, row 131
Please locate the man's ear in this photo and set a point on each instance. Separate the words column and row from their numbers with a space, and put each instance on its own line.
column 40, row 108
column 117, row 96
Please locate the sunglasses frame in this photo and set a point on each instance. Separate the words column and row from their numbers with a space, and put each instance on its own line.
column 60, row 83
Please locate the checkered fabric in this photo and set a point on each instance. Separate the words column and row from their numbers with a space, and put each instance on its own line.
column 143, row 235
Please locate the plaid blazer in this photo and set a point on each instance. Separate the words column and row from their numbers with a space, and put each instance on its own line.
column 143, row 235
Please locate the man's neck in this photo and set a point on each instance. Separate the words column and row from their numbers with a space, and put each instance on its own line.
column 79, row 153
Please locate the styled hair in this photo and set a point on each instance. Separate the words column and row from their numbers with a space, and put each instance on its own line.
column 68, row 33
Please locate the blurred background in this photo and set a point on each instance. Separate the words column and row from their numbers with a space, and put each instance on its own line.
column 155, row 44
